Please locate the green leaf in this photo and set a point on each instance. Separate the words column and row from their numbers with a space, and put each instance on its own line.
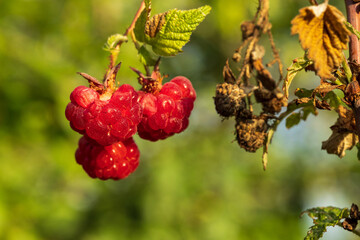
column 334, row 100
column 147, row 57
column 113, row 40
column 297, row 65
column 293, row 120
column 139, row 29
column 352, row 29
column 168, row 32
column 306, row 111
column 303, row 92
column 324, row 217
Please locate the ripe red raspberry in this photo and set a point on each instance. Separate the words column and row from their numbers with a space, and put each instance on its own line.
column 116, row 161
column 105, row 118
column 167, row 111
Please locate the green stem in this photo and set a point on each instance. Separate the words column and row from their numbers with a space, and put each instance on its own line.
column 272, row 131
column 115, row 53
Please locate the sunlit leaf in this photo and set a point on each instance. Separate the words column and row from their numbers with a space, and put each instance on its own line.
column 323, row 34
column 168, row 32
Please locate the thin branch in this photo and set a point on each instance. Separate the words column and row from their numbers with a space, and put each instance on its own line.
column 353, row 18
column 113, row 57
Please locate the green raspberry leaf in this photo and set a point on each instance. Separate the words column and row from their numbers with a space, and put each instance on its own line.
column 333, row 99
column 324, row 217
column 303, row 92
column 293, row 119
column 168, row 32
column 147, row 57
column 297, row 65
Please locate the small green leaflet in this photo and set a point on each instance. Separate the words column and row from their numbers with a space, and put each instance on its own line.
column 352, row 29
column 297, row 65
column 295, row 118
column 324, row 217
column 168, row 32
column 113, row 40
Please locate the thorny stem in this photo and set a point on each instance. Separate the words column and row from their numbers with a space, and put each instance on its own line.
column 353, row 17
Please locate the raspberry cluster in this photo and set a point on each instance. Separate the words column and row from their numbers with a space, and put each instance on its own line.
column 167, row 112
column 103, row 119
column 108, row 117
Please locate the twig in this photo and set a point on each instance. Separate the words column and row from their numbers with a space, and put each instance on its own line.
column 353, row 18
column 113, row 57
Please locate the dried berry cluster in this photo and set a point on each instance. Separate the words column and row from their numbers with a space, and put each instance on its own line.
column 233, row 97
column 108, row 117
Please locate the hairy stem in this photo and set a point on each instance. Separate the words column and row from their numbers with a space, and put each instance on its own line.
column 353, row 17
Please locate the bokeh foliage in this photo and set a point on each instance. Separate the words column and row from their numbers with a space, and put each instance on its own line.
column 197, row 185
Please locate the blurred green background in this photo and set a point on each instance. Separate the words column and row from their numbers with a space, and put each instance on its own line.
column 195, row 185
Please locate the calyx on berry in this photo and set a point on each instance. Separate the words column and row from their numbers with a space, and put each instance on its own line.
column 166, row 108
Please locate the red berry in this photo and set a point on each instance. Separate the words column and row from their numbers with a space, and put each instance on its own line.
column 116, row 161
column 105, row 119
column 166, row 112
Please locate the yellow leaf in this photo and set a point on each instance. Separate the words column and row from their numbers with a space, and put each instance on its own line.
column 323, row 34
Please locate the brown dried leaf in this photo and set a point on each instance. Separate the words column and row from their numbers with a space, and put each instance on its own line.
column 345, row 121
column 228, row 75
column 343, row 136
column 339, row 142
column 324, row 88
column 263, row 75
column 323, row 33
